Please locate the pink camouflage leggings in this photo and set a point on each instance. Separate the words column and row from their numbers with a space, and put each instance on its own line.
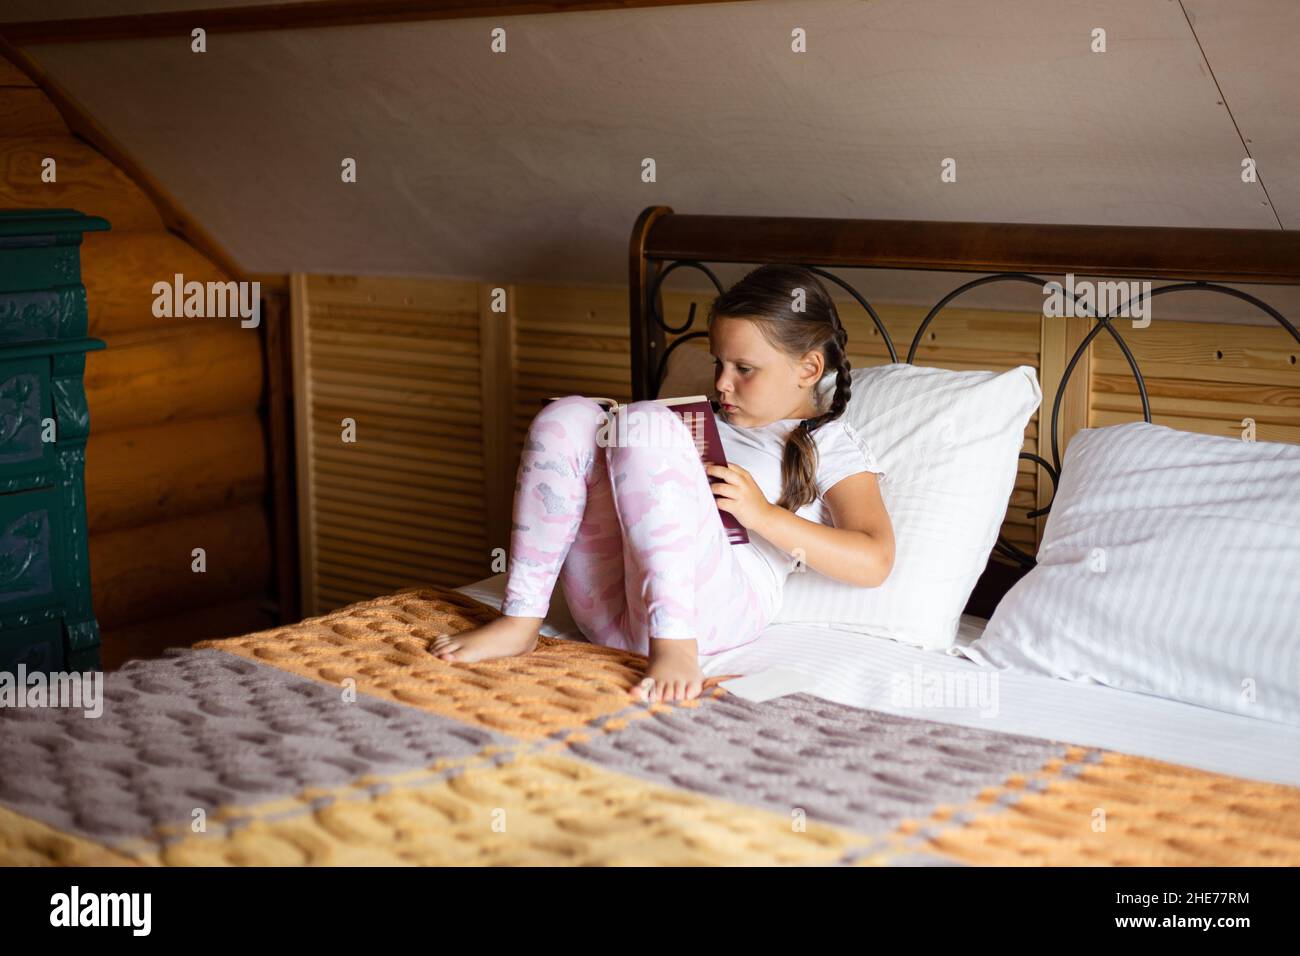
column 632, row 530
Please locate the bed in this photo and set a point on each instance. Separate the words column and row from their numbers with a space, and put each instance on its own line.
column 339, row 740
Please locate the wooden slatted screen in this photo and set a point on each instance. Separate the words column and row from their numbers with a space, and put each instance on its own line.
column 416, row 498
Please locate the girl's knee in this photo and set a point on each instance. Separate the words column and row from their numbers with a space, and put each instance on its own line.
column 569, row 404
column 573, row 400
column 649, row 407
column 574, row 415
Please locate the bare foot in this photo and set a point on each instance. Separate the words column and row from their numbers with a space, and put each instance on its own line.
column 674, row 671
column 505, row 637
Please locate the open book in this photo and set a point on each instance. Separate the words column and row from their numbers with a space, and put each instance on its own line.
column 700, row 415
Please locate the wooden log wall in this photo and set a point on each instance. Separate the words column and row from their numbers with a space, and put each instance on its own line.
column 177, row 453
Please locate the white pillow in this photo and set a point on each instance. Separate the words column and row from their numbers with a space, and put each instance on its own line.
column 949, row 444
column 1170, row 565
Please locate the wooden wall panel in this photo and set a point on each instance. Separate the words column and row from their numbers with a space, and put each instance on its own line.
column 1204, row 377
column 150, row 474
column 406, row 503
column 120, row 269
column 569, row 341
column 86, row 181
column 26, row 111
column 144, row 572
column 189, row 370
column 1060, row 338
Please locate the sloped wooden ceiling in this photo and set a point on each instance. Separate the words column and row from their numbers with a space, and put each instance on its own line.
column 527, row 165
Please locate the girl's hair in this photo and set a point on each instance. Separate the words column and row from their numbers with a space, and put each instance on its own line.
column 765, row 296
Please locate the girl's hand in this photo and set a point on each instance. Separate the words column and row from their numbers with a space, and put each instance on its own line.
column 738, row 493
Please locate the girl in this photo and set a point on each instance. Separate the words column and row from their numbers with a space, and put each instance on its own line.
column 633, row 530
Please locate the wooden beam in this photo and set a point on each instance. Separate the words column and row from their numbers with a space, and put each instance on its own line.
column 497, row 383
column 647, row 338
column 298, row 305
column 279, row 423
column 1223, row 255
column 1060, row 337
column 296, row 16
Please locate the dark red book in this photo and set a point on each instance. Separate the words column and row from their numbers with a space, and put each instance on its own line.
column 699, row 413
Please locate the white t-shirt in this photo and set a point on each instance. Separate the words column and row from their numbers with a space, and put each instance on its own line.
column 841, row 452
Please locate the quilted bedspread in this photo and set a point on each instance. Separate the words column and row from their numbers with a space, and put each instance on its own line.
column 341, row 740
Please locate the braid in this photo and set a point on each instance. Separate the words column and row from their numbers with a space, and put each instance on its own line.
column 836, row 348
column 799, row 461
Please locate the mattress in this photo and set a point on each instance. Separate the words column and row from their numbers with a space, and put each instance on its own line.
column 341, row 740
column 851, row 668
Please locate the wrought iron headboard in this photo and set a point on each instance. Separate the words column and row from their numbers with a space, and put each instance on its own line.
column 663, row 241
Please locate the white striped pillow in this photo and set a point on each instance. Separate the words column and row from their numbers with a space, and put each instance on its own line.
column 1170, row 565
column 948, row 443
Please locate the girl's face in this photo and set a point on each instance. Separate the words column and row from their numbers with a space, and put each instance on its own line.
column 757, row 384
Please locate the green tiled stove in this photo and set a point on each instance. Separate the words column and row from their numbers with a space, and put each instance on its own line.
column 47, row 622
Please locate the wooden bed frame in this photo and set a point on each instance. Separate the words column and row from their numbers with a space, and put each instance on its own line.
column 1200, row 260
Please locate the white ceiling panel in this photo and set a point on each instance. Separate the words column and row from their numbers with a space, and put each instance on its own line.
column 1252, row 47
column 526, row 166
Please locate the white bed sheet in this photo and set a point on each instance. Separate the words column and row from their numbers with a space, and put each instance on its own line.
column 863, row 671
